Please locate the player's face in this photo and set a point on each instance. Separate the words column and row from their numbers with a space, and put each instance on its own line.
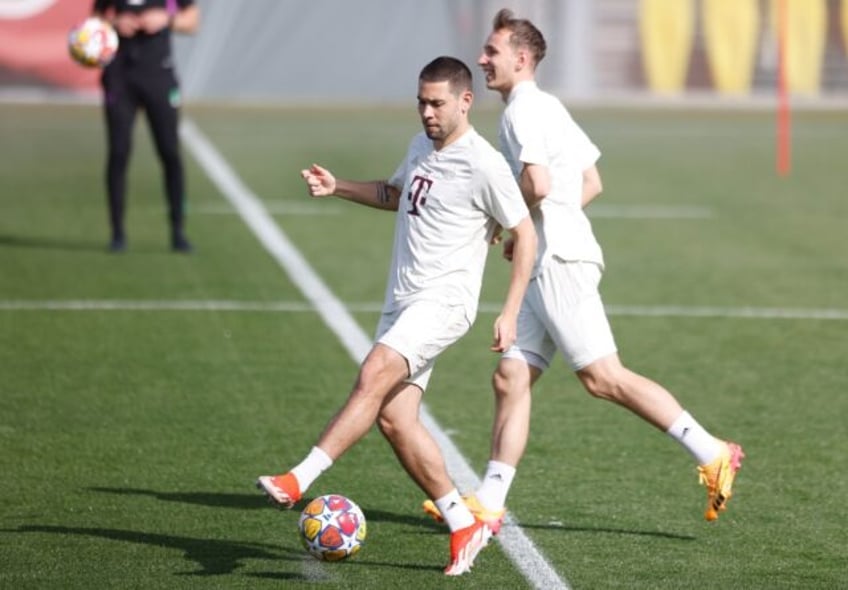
column 499, row 62
column 444, row 115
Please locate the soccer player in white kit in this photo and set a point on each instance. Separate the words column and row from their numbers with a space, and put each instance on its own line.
column 452, row 192
column 555, row 164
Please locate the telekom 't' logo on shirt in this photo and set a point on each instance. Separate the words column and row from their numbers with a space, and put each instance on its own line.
column 417, row 196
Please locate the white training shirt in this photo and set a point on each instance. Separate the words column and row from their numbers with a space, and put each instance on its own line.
column 450, row 201
column 537, row 129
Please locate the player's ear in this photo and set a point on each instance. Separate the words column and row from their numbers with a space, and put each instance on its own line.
column 523, row 60
column 466, row 100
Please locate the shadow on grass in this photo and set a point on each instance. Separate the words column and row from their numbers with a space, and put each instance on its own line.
column 258, row 501
column 78, row 245
column 605, row 530
column 52, row 243
column 211, row 499
column 214, row 557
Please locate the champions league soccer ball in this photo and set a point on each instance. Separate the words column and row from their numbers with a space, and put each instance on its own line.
column 93, row 43
column 332, row 527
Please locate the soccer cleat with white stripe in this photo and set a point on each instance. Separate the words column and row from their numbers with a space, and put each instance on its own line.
column 465, row 544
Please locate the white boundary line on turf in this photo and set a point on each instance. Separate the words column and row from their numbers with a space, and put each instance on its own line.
column 681, row 311
column 514, row 542
column 596, row 211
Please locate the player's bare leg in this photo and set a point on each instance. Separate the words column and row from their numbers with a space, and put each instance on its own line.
column 608, row 379
column 379, row 374
column 414, row 446
column 422, row 459
column 511, row 383
column 718, row 460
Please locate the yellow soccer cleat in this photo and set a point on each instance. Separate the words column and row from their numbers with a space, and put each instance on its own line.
column 718, row 476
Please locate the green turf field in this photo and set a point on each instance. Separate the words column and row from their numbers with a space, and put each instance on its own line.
column 142, row 393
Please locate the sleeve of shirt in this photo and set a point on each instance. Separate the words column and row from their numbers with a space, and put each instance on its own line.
column 529, row 136
column 398, row 178
column 586, row 153
column 500, row 194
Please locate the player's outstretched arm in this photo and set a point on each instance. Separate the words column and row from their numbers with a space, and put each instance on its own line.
column 377, row 194
column 524, row 244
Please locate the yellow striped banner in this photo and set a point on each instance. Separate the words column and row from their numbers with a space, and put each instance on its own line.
column 731, row 28
column 806, row 32
column 845, row 24
column 666, row 30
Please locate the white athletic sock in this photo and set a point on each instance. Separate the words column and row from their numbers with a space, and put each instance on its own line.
column 700, row 443
column 308, row 470
column 495, row 486
column 454, row 511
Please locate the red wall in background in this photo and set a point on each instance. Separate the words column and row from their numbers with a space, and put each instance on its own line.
column 33, row 41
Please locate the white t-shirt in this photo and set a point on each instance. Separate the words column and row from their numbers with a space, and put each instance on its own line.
column 537, row 129
column 450, row 201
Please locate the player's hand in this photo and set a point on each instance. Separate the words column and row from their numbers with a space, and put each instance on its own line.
column 505, row 331
column 153, row 20
column 127, row 24
column 497, row 236
column 508, row 247
column 320, row 181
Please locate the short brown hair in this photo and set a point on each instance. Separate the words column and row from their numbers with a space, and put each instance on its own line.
column 448, row 69
column 523, row 33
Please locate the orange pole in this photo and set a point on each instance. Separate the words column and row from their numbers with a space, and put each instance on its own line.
column 784, row 115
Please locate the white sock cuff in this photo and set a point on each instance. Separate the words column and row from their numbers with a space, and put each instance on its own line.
column 454, row 511
column 502, row 468
column 321, row 458
column 680, row 425
column 308, row 470
column 694, row 438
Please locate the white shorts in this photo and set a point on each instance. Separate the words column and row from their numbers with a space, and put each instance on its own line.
column 563, row 311
column 420, row 332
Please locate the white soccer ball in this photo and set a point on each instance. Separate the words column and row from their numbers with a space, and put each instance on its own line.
column 332, row 527
column 93, row 43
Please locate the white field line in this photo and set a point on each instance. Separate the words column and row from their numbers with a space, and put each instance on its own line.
column 515, row 543
column 648, row 211
column 599, row 210
column 156, row 305
column 278, row 207
column 682, row 311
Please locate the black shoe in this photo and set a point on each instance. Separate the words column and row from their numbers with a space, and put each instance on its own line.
column 117, row 245
column 179, row 243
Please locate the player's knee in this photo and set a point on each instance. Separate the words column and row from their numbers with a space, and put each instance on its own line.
column 502, row 382
column 392, row 426
column 606, row 385
column 386, row 426
column 509, row 382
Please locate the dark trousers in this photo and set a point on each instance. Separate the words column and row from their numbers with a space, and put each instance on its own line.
column 155, row 90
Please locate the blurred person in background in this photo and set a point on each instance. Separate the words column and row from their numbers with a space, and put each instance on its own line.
column 142, row 76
